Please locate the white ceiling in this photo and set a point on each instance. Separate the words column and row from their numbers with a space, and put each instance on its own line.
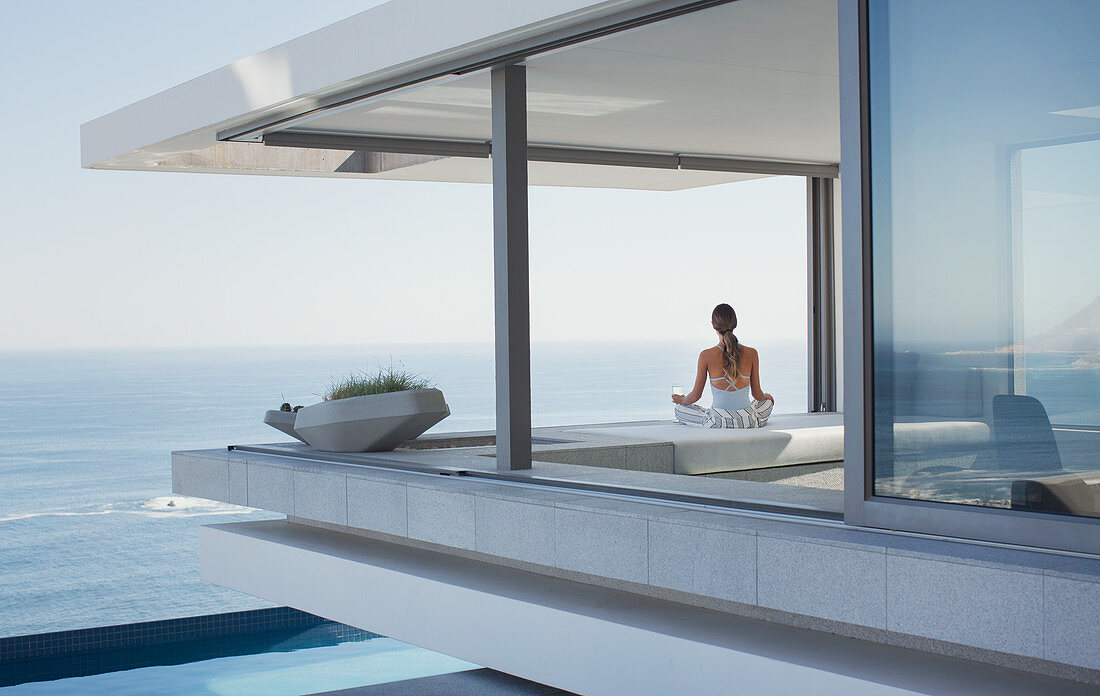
column 753, row 78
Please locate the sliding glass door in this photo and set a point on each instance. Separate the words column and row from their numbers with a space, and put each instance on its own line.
column 981, row 141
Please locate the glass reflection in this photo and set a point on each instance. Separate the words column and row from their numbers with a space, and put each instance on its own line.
column 985, row 144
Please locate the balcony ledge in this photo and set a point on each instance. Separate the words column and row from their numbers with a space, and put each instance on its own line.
column 1022, row 609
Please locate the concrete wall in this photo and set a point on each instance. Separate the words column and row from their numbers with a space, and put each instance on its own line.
column 1025, row 609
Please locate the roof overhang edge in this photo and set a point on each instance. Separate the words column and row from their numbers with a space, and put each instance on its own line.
column 355, row 52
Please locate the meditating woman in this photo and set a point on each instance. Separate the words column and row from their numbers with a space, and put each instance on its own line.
column 733, row 371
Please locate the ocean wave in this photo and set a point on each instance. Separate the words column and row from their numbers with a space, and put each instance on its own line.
column 159, row 507
column 178, row 504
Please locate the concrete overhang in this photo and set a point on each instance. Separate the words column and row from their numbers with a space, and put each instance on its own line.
column 573, row 635
column 735, row 87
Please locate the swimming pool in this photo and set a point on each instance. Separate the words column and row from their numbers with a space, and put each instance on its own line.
column 297, row 673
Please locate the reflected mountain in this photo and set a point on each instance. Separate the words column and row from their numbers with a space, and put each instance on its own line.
column 1079, row 333
column 1090, row 361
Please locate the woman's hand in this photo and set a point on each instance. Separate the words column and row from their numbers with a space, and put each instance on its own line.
column 677, row 398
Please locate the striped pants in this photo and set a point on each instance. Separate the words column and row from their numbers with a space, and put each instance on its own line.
column 755, row 416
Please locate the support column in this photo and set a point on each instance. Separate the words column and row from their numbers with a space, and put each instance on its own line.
column 511, row 282
column 821, row 288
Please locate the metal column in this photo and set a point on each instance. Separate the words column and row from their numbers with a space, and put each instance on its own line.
column 821, row 288
column 511, row 282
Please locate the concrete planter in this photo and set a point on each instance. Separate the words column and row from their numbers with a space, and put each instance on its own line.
column 375, row 423
column 283, row 421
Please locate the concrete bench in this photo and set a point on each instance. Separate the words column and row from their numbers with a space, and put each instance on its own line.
column 787, row 439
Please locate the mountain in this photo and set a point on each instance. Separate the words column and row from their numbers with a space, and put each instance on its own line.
column 1087, row 362
column 1078, row 334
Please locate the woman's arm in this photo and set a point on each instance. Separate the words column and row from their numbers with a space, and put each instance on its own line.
column 700, row 382
column 754, row 378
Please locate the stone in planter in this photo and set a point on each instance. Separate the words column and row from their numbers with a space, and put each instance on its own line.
column 375, row 423
column 283, row 421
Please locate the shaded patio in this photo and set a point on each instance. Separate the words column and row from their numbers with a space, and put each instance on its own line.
column 672, row 98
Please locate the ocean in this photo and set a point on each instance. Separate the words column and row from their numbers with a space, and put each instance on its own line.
column 87, row 534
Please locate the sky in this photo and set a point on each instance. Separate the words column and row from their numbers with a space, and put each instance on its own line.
column 106, row 259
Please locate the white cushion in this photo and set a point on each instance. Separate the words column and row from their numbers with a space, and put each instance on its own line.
column 917, row 434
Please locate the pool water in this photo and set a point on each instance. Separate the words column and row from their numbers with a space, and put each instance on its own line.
column 297, row 673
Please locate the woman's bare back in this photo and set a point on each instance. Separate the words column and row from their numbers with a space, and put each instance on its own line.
column 716, row 370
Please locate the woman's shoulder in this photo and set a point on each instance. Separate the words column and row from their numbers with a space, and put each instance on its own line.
column 748, row 351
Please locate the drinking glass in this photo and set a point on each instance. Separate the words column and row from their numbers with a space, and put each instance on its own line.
column 678, row 389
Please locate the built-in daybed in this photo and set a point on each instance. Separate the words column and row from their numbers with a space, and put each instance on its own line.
column 787, row 439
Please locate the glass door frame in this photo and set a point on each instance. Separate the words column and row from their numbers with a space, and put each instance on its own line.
column 861, row 506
